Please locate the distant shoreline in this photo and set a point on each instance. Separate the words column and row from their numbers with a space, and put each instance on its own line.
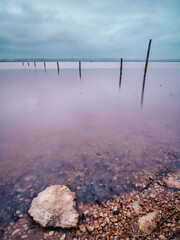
column 84, row 60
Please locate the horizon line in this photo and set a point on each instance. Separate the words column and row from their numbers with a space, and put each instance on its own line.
column 83, row 60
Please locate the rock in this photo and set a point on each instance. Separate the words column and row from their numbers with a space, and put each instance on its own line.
column 137, row 208
column 1, row 231
column 162, row 237
column 15, row 232
column 114, row 220
column 82, row 228
column 172, row 183
column 54, row 207
column 24, row 236
column 147, row 223
column 90, row 228
column 86, row 212
column 128, row 214
column 51, row 233
column 115, row 210
column 63, row 237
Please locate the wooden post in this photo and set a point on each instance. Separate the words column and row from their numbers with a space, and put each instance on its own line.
column 23, row 63
column 34, row 63
column 80, row 69
column 147, row 58
column 120, row 77
column 28, row 63
column 58, row 67
column 145, row 70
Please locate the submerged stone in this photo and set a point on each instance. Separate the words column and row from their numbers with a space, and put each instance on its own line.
column 55, row 207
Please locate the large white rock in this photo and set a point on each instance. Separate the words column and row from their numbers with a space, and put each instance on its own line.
column 55, row 207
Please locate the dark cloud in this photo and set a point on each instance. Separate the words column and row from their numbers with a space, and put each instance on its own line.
column 89, row 29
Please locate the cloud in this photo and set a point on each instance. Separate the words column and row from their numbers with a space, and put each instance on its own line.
column 89, row 29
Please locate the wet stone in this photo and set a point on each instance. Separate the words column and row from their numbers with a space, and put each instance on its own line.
column 51, row 233
column 115, row 210
column 63, row 237
column 16, row 232
column 24, row 236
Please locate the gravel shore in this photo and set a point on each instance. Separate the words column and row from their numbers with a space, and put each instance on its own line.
column 117, row 218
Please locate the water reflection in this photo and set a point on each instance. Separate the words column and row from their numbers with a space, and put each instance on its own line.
column 58, row 67
column 120, row 77
column 80, row 69
column 45, row 67
column 142, row 93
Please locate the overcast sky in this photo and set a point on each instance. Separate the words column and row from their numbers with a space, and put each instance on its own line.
column 89, row 29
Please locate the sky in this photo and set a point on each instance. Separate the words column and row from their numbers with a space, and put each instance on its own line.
column 89, row 29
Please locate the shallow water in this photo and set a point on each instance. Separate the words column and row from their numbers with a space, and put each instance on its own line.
column 84, row 132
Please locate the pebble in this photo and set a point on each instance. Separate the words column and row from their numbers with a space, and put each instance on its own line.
column 82, row 228
column 90, row 228
column 16, row 231
column 128, row 214
column 86, row 212
column 51, row 233
column 115, row 210
column 137, row 208
column 63, row 237
column 162, row 237
column 24, row 236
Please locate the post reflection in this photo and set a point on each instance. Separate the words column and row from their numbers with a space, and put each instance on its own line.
column 45, row 66
column 80, row 69
column 58, row 67
column 120, row 77
column 143, row 87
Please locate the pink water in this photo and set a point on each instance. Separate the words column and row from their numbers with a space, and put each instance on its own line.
column 63, row 129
